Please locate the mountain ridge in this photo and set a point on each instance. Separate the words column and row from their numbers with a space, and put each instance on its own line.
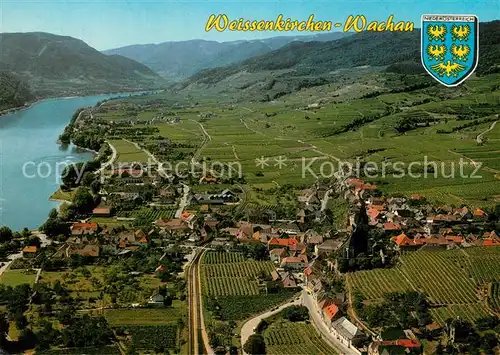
column 177, row 60
column 60, row 65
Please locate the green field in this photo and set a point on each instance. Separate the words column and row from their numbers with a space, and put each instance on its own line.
column 127, row 152
column 285, row 338
column 287, row 130
column 149, row 214
column 450, row 279
column 18, row 277
column 146, row 316
column 229, row 274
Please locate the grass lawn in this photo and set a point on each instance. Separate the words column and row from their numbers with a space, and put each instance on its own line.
column 17, row 277
column 146, row 316
column 63, row 195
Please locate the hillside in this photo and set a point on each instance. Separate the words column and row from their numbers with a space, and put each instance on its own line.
column 13, row 93
column 305, row 64
column 178, row 60
column 53, row 64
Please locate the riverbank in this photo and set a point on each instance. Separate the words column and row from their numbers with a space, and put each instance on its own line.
column 30, row 104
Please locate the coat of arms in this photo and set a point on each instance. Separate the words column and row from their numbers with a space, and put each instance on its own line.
column 450, row 47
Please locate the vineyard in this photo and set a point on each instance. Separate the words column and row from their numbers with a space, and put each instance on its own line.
column 153, row 337
column 241, row 307
column 150, row 214
column 294, row 338
column 469, row 312
column 450, row 279
column 494, row 296
column 229, row 274
column 375, row 283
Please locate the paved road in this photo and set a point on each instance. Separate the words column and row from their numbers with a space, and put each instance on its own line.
column 308, row 301
column 183, row 202
column 248, row 327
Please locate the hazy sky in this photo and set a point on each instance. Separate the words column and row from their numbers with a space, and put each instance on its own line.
column 115, row 23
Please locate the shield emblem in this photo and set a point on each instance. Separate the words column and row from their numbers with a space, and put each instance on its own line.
column 450, row 47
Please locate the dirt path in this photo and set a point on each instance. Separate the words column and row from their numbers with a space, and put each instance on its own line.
column 479, row 138
column 352, row 313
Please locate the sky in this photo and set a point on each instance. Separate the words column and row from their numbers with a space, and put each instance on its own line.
column 115, row 23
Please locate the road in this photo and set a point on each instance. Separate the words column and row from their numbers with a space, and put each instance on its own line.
column 196, row 326
column 111, row 160
column 324, row 203
column 323, row 329
column 206, row 139
column 183, row 202
column 479, row 137
column 248, row 327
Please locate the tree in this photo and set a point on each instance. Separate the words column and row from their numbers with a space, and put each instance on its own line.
column 4, row 329
column 255, row 345
column 53, row 213
column 88, row 179
column 27, row 339
column 489, row 341
column 296, row 313
column 5, row 234
column 83, row 200
column 54, row 226
column 20, row 320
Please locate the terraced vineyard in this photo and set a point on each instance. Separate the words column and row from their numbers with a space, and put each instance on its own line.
column 294, row 338
column 469, row 312
column 229, row 274
column 450, row 279
column 435, row 274
column 374, row 284
column 150, row 214
column 494, row 296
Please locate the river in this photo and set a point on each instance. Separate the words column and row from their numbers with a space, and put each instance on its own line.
column 29, row 155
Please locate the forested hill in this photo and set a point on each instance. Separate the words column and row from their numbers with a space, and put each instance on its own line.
column 397, row 50
column 53, row 64
column 178, row 60
column 13, row 92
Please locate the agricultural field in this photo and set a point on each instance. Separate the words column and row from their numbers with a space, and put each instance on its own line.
column 146, row 316
column 286, row 130
column 469, row 312
column 128, row 152
column 110, row 349
column 285, row 338
column 157, row 338
column 149, row 214
column 18, row 277
column 494, row 296
column 236, row 308
column 452, row 280
column 228, row 274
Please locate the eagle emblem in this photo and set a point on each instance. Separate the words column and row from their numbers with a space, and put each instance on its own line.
column 436, row 33
column 460, row 32
column 449, row 47
column 449, row 68
column 460, row 52
column 436, row 52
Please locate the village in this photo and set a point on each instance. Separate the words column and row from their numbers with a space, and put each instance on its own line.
column 299, row 250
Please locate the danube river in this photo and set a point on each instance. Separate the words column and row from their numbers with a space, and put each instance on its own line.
column 29, row 155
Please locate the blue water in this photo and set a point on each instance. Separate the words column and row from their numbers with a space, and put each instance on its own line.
column 28, row 139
